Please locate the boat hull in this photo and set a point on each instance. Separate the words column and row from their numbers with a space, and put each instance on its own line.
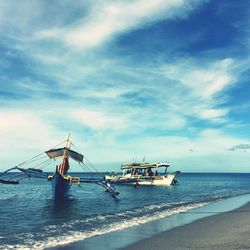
column 167, row 180
column 60, row 186
column 121, row 179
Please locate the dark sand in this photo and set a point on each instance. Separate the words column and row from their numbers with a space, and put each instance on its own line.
column 229, row 230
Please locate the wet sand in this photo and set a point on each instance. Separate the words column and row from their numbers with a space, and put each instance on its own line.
column 229, row 230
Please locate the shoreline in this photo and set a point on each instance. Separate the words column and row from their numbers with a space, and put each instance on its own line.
column 181, row 231
column 227, row 230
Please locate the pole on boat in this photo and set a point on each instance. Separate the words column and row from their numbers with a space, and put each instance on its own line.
column 68, row 141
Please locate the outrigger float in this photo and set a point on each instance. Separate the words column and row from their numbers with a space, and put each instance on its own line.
column 61, row 181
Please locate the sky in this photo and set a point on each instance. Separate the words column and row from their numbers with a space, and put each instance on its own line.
column 164, row 80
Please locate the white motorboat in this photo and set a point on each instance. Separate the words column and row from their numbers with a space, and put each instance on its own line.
column 144, row 174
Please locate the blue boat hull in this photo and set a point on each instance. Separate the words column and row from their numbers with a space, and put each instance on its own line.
column 60, row 186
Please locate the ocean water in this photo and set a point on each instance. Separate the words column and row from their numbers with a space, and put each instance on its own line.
column 31, row 219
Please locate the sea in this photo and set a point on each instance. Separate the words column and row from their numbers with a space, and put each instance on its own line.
column 31, row 219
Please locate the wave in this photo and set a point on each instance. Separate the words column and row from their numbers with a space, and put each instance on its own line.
column 72, row 231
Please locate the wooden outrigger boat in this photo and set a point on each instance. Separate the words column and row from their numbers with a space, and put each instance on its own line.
column 61, row 181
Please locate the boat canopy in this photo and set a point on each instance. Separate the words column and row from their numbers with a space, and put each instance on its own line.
column 59, row 152
column 144, row 165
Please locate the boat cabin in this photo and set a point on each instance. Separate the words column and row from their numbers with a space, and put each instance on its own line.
column 145, row 169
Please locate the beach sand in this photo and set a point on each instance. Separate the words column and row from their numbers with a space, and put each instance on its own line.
column 229, row 230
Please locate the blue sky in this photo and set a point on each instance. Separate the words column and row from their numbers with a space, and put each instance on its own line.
column 165, row 80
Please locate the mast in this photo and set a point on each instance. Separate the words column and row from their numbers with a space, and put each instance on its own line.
column 64, row 166
column 68, row 142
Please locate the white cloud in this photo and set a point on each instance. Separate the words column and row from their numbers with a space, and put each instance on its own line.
column 217, row 84
column 214, row 114
column 23, row 134
column 201, row 87
column 108, row 19
column 204, row 81
column 98, row 120
column 89, row 118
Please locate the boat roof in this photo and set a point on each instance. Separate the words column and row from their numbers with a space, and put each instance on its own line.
column 59, row 152
column 144, row 165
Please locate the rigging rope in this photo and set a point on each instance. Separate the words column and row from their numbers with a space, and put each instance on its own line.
column 87, row 167
column 43, row 164
column 30, row 160
column 60, row 143
column 91, row 165
column 35, row 157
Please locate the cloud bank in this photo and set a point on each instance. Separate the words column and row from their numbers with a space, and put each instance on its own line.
column 124, row 79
